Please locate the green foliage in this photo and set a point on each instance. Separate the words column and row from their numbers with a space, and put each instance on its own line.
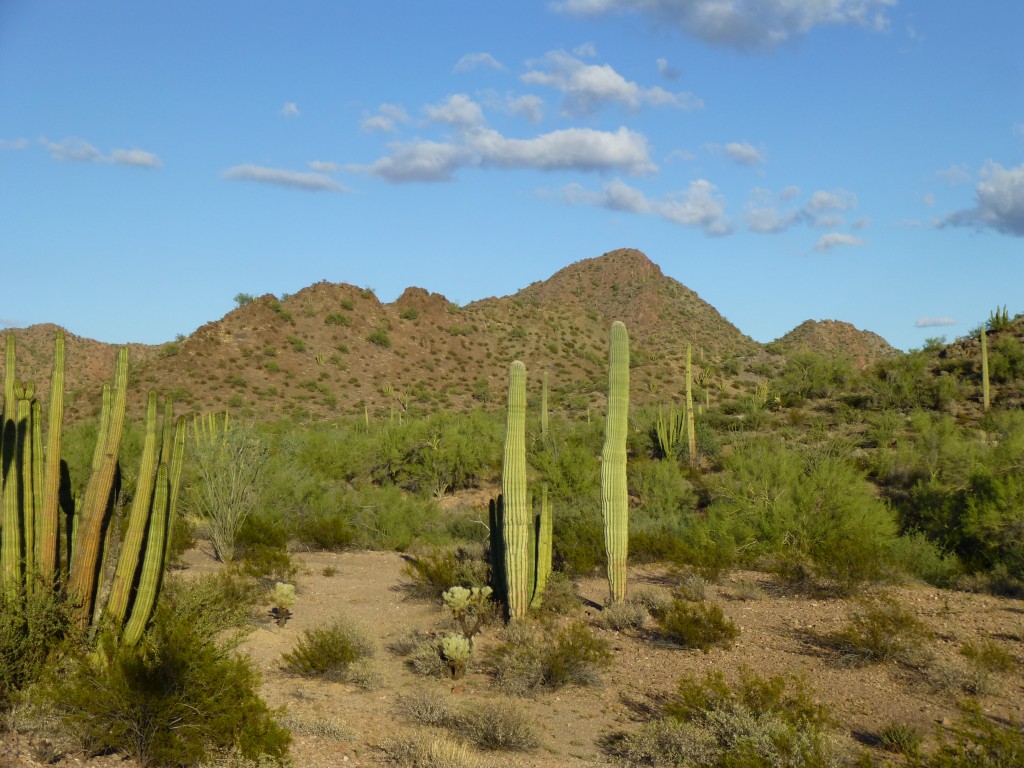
column 977, row 741
column 242, row 299
column 530, row 659
column 808, row 375
column 329, row 651
column 380, row 337
column 811, row 512
column 433, row 575
column 33, row 627
column 880, row 630
column 337, row 318
column 998, row 319
column 179, row 698
column 410, row 313
column 696, row 625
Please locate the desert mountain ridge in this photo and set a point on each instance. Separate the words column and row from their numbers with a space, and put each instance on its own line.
column 334, row 348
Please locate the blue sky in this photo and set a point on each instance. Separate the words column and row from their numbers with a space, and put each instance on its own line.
column 860, row 160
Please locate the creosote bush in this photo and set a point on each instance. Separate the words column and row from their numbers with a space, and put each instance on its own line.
column 32, row 628
column 531, row 659
column 432, row 575
column 179, row 698
column 696, row 625
column 329, row 651
column 880, row 630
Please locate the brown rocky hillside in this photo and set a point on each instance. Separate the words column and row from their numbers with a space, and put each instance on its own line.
column 334, row 348
column 834, row 338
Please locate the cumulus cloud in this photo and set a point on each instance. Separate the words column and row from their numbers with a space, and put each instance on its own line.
column 290, row 109
column 955, row 174
column 832, row 240
column 323, row 166
column 135, row 157
column 743, row 24
column 934, row 322
column 767, row 214
column 529, row 106
column 587, row 87
column 699, row 205
column 473, row 61
column 743, row 153
column 458, row 111
column 386, row 120
column 1000, row 202
column 313, row 182
column 13, row 143
column 74, row 149
column 579, row 149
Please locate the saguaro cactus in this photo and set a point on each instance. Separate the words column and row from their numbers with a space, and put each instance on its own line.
column 517, row 515
column 984, row 370
column 691, row 434
column 614, row 497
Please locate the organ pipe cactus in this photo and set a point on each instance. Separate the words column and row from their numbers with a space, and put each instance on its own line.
column 34, row 492
column 517, row 517
column 614, row 497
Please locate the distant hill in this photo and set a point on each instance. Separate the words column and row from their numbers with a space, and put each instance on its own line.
column 334, row 348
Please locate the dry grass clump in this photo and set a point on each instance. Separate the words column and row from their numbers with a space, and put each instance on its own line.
column 976, row 673
column 429, row 750
column 495, row 724
column 620, row 617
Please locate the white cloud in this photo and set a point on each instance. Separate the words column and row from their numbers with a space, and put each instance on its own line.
column 529, row 106
column 743, row 24
column 934, row 322
column 473, row 61
column 13, row 143
column 1000, row 197
column 386, row 120
column 699, row 205
column 587, row 87
column 458, row 111
column 577, row 149
column 580, row 149
column 135, row 157
column 313, row 182
column 586, row 51
column 323, row 166
column 667, row 71
column 418, row 161
column 766, row 213
column 74, row 149
column 290, row 109
column 833, row 240
column 80, row 151
column 743, row 153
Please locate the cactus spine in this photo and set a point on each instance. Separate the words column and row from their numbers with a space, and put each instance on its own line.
column 614, row 497
column 691, row 435
column 984, row 370
column 517, row 516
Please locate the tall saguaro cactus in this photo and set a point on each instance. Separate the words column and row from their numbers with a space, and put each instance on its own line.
column 614, row 496
column 517, row 517
column 984, row 370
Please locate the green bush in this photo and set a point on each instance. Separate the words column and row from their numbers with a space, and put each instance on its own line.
column 379, row 337
column 530, row 659
column 32, row 628
column 434, row 574
column 978, row 741
column 328, row 652
column 696, row 625
column 880, row 630
column 178, row 699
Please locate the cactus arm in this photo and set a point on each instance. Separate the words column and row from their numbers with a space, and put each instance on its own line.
column 10, row 552
column 691, row 435
column 138, row 518
column 614, row 496
column 10, row 408
column 176, row 456
column 95, row 506
column 517, row 517
column 543, row 558
column 152, row 564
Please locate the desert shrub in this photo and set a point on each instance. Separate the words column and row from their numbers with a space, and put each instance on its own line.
column 380, row 337
column 32, row 628
column 658, row 526
column 217, row 602
column 802, row 507
column 696, row 625
column 560, row 596
column 328, row 651
column 490, row 725
column 530, row 659
column 990, row 656
column 977, row 741
column 432, row 575
column 880, row 630
column 901, row 738
column 623, row 616
column 179, row 698
column 1006, row 359
column 429, row 751
column 754, row 724
column 810, row 375
column 913, row 553
column 578, row 536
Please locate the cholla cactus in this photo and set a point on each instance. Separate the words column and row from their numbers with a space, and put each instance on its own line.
column 283, row 598
column 457, row 651
column 468, row 607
